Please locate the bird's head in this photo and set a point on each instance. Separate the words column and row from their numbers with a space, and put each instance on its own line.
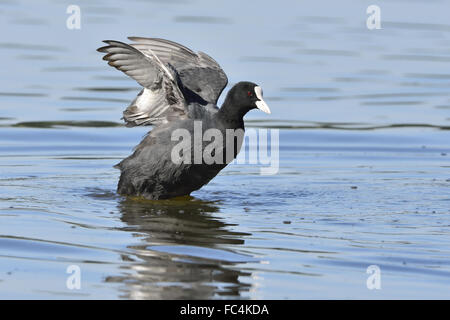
column 245, row 96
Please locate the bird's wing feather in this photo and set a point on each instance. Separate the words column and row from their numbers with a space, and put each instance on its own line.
column 198, row 72
column 161, row 95
column 132, row 62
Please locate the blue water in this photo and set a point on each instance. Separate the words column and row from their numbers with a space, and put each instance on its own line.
column 364, row 170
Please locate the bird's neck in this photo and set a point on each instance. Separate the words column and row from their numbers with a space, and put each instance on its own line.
column 231, row 116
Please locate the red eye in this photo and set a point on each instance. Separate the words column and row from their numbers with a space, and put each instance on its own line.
column 249, row 93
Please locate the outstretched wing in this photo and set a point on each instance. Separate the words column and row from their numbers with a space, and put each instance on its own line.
column 198, row 72
column 161, row 95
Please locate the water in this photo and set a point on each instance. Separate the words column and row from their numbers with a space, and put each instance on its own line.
column 364, row 175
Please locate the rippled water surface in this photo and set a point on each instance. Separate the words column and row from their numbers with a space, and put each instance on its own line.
column 364, row 171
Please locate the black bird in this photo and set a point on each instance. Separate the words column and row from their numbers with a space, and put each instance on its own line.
column 180, row 91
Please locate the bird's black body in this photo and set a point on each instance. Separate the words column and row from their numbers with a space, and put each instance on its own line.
column 180, row 92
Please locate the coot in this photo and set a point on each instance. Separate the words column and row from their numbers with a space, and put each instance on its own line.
column 179, row 96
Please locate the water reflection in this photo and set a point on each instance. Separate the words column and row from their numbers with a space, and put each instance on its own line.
column 182, row 253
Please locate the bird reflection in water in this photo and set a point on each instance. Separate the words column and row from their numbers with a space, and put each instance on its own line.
column 181, row 223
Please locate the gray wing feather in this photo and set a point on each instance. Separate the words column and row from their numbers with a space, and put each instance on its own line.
column 132, row 62
column 161, row 95
column 197, row 71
